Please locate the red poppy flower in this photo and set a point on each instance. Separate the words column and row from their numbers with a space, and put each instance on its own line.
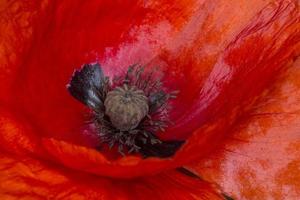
column 234, row 122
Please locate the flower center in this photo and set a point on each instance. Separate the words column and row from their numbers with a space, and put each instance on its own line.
column 128, row 111
column 126, row 107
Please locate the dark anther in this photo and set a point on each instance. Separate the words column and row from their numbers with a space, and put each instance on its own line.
column 127, row 111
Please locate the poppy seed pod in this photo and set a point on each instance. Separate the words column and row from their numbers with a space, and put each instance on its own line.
column 126, row 106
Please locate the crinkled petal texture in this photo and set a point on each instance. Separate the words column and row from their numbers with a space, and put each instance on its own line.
column 31, row 179
column 224, row 57
column 23, row 176
column 260, row 159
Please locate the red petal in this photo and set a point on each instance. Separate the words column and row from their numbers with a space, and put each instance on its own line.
column 76, row 37
column 65, row 33
column 260, row 53
column 256, row 55
column 30, row 179
column 260, row 159
column 17, row 134
column 90, row 160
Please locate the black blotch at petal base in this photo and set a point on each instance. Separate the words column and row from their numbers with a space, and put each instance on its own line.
column 85, row 85
column 164, row 149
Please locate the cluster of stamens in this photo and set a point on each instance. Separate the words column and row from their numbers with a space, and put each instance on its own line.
column 127, row 111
